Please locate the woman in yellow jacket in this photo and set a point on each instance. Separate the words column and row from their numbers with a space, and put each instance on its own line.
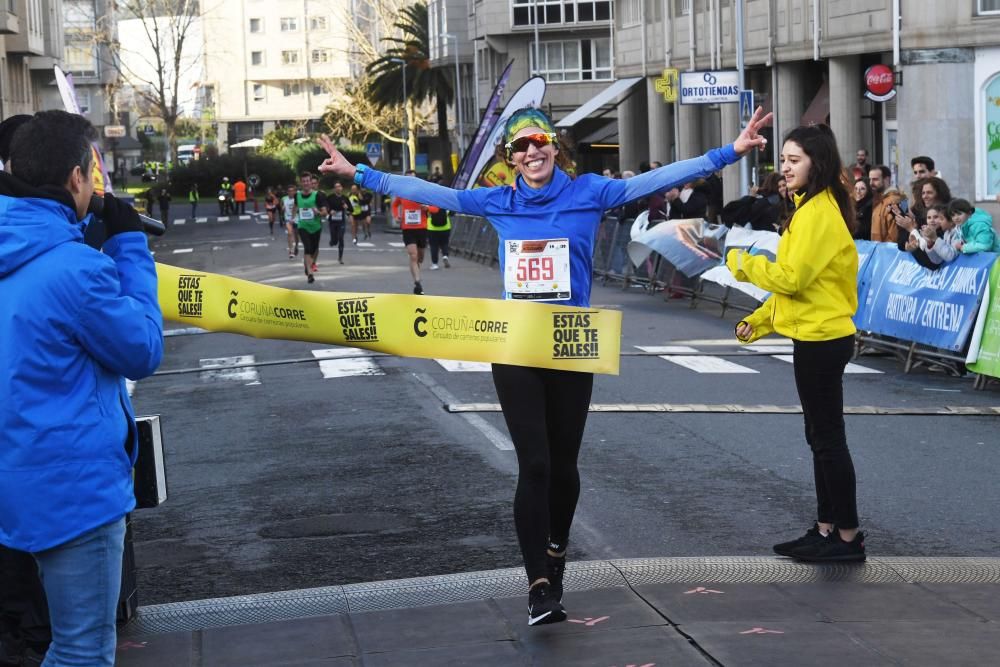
column 813, row 285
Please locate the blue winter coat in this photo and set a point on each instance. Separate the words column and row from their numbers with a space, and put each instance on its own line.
column 978, row 234
column 73, row 322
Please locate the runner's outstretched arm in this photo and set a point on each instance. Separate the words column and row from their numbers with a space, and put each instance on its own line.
column 613, row 192
column 408, row 187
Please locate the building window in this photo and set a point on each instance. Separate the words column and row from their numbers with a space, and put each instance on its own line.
column 289, row 24
column 320, row 56
column 991, row 117
column 583, row 60
column 548, row 12
column 80, row 58
column 630, row 12
column 988, row 7
column 258, row 92
column 317, row 23
column 83, row 100
column 318, row 90
column 256, row 57
column 289, row 57
column 256, row 25
column 292, row 88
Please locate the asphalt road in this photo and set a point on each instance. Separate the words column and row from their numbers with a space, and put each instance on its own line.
column 281, row 478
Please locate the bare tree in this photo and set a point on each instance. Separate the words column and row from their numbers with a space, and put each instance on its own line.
column 155, row 70
column 352, row 114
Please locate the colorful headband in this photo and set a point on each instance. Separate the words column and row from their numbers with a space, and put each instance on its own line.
column 526, row 117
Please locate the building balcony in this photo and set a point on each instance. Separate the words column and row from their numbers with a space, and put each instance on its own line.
column 10, row 24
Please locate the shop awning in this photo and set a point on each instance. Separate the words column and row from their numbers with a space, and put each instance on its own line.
column 819, row 108
column 606, row 96
column 606, row 135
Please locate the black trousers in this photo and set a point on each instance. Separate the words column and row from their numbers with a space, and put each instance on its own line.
column 24, row 612
column 337, row 236
column 439, row 242
column 546, row 413
column 819, row 379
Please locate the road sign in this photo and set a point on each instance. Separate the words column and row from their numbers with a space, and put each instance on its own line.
column 114, row 131
column 254, row 180
column 667, row 84
column 148, row 129
column 716, row 87
column 374, row 152
column 746, row 106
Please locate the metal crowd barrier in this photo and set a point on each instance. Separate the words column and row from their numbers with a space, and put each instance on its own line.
column 474, row 238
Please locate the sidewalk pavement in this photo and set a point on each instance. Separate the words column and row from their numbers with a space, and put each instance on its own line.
column 644, row 613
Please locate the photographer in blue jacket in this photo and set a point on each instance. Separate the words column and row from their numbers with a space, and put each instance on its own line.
column 74, row 323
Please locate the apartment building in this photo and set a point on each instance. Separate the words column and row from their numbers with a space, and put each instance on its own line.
column 31, row 42
column 805, row 60
column 569, row 42
column 932, row 70
column 268, row 62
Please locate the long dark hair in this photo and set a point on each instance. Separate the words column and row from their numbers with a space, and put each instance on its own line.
column 826, row 171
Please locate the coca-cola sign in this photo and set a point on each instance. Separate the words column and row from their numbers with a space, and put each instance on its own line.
column 880, row 83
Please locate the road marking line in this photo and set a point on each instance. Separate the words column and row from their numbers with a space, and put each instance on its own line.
column 851, row 368
column 221, row 369
column 181, row 251
column 167, row 333
column 246, row 217
column 499, row 440
column 365, row 244
column 395, row 244
column 730, row 408
column 179, row 221
column 258, row 245
column 707, row 364
column 453, row 366
column 201, row 220
column 768, row 349
column 730, row 341
column 667, row 349
column 339, row 362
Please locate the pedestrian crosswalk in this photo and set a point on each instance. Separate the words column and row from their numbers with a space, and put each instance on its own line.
column 347, row 362
column 693, row 356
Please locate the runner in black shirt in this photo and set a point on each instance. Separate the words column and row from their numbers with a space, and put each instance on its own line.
column 338, row 208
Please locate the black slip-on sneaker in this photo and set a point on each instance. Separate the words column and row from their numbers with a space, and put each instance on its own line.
column 812, row 536
column 833, row 550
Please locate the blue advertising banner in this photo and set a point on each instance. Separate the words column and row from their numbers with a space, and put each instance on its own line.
column 865, row 251
column 936, row 308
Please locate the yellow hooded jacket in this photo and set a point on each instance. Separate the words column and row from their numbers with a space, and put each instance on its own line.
column 813, row 280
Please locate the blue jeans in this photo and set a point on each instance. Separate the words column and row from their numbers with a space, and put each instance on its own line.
column 82, row 580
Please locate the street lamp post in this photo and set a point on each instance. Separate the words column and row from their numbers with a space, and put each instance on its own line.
column 458, row 98
column 406, row 115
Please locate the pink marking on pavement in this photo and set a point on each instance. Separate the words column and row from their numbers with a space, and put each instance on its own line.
column 126, row 645
column 703, row 591
column 762, row 631
column 589, row 621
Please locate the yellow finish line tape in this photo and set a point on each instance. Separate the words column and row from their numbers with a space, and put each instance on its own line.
column 432, row 327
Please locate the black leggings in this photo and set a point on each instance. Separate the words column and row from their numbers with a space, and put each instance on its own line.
column 337, row 236
column 819, row 379
column 546, row 412
column 439, row 242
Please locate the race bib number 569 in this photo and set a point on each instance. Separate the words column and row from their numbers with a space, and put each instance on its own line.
column 537, row 270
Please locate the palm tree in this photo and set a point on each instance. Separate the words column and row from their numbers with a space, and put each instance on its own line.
column 423, row 81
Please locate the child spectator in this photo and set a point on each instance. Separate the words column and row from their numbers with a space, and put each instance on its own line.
column 940, row 236
column 977, row 234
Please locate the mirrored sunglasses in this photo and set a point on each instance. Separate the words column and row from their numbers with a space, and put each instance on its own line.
column 538, row 140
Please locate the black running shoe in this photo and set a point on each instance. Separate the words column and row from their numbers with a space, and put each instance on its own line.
column 833, row 550
column 542, row 607
column 557, row 566
column 418, row 288
column 311, row 278
column 812, row 536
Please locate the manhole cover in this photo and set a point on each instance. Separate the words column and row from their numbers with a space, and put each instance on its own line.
column 329, row 525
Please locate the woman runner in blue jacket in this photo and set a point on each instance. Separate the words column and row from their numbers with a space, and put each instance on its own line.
column 545, row 409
